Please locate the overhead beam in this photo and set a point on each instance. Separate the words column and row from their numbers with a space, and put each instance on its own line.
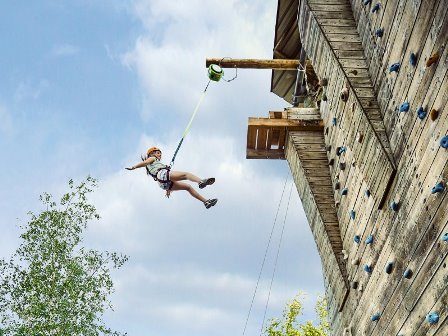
column 277, row 64
column 290, row 124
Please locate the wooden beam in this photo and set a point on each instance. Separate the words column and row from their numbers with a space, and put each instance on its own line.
column 290, row 124
column 265, row 154
column 278, row 64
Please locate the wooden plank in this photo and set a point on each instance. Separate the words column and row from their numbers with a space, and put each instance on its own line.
column 309, row 125
column 261, row 138
column 251, row 137
column 265, row 154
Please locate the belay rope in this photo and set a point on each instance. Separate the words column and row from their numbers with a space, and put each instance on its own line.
column 215, row 73
column 266, row 253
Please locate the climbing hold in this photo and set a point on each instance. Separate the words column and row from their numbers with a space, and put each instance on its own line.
column 352, row 214
column 444, row 142
column 367, row 192
column 340, row 150
column 354, row 284
column 379, row 32
column 404, row 107
column 357, row 239
column 331, row 162
column 413, row 59
column 344, row 94
column 375, row 317
column 432, row 318
column 337, row 204
column 215, row 72
column 376, row 7
column 433, row 59
column 389, row 267
column 323, row 82
column 345, row 254
column 328, row 148
column 355, row 261
column 342, row 165
column 439, row 187
column 394, row 205
column 337, row 186
column 394, row 67
column 366, row 2
column 433, row 114
column 369, row 240
column 333, row 121
column 367, row 268
column 344, row 192
column 445, row 237
column 359, row 137
column 324, row 97
column 421, row 113
column 408, row 273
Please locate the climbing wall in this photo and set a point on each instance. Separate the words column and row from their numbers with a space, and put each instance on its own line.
column 386, row 126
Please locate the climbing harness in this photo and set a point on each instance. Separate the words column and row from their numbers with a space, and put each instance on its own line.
column 266, row 251
column 215, row 73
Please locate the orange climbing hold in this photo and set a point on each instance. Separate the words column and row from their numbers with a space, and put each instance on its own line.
column 433, row 59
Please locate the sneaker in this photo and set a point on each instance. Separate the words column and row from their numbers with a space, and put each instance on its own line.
column 211, row 202
column 206, row 182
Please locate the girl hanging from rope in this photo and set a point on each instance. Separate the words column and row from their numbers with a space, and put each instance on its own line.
column 170, row 180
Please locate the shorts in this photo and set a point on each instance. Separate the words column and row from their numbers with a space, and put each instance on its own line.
column 163, row 177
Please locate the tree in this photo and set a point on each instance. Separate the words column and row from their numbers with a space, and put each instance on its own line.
column 51, row 285
column 288, row 325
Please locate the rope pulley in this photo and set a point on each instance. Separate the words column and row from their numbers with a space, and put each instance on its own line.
column 215, row 72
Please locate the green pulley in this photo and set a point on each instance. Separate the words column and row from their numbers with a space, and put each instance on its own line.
column 215, row 72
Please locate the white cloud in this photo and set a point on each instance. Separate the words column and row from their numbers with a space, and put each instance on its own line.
column 30, row 90
column 65, row 49
column 6, row 122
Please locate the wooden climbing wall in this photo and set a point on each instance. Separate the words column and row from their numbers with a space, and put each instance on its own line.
column 395, row 156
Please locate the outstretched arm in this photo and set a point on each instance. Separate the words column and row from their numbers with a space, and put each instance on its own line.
column 143, row 163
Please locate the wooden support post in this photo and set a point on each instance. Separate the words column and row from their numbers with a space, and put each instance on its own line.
column 277, row 64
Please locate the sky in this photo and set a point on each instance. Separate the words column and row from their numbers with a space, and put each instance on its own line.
column 87, row 87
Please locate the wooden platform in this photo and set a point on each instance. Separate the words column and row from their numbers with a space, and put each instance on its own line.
column 266, row 136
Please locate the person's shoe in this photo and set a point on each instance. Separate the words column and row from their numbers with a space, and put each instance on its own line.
column 206, row 182
column 211, row 202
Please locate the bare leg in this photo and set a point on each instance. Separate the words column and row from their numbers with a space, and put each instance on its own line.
column 185, row 186
column 181, row 176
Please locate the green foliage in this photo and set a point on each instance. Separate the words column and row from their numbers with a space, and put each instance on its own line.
column 51, row 285
column 288, row 325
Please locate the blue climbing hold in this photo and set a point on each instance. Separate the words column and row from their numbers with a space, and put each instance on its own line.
column 367, row 268
column 375, row 317
column 379, row 32
column 367, row 192
column 394, row 206
column 444, row 142
column 376, row 7
column 369, row 240
column 341, row 150
column 432, row 318
column 366, row 2
column 394, row 67
column 333, row 121
column 404, row 107
column 421, row 113
column 344, row 192
column 408, row 273
column 389, row 267
column 445, row 237
column 357, row 239
column 352, row 214
column 439, row 187
column 413, row 59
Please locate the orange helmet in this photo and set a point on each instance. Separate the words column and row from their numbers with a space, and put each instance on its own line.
column 152, row 149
